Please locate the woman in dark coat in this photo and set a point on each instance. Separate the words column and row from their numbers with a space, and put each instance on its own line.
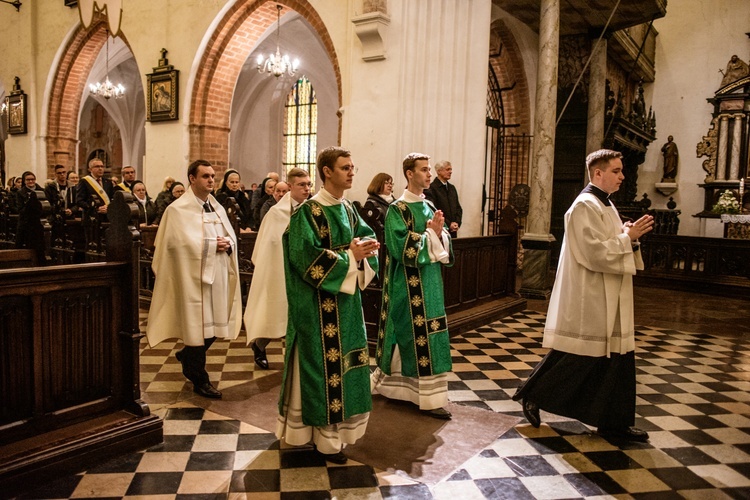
column 146, row 206
column 176, row 190
column 30, row 232
column 264, row 193
column 380, row 196
column 230, row 187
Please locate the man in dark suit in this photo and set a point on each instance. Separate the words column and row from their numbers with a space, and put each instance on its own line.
column 444, row 196
column 94, row 189
column 128, row 179
column 57, row 191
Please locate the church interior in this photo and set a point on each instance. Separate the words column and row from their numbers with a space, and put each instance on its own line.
column 515, row 94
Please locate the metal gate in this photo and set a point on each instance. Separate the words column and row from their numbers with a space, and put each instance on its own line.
column 506, row 157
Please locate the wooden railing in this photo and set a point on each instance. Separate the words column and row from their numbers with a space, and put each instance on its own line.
column 711, row 265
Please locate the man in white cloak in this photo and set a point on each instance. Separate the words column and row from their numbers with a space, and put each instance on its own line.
column 197, row 290
column 589, row 374
column 266, row 310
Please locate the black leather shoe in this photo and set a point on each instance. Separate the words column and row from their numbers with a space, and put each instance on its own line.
column 336, row 458
column 625, row 434
column 261, row 361
column 207, row 391
column 178, row 355
column 531, row 412
column 439, row 413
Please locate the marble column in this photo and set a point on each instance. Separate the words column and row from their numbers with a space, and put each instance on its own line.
column 734, row 156
column 597, row 95
column 721, row 160
column 537, row 241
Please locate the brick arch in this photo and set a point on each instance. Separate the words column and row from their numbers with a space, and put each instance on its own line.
column 67, row 90
column 235, row 37
column 509, row 68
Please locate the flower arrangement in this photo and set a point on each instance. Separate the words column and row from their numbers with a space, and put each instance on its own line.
column 727, row 204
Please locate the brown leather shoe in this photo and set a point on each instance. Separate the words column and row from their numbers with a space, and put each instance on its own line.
column 207, row 391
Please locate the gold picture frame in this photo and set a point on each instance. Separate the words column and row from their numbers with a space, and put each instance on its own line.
column 163, row 92
column 15, row 113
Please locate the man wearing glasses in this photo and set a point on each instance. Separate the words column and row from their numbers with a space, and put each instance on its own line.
column 94, row 190
column 330, row 254
column 266, row 311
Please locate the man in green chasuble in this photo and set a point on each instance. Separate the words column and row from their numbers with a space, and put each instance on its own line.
column 330, row 254
column 413, row 353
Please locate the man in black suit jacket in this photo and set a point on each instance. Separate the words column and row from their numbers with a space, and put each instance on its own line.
column 444, row 196
column 128, row 179
column 95, row 189
column 57, row 191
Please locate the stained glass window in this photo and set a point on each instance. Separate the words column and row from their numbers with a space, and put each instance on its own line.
column 301, row 127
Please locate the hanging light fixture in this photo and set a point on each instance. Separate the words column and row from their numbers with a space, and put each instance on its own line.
column 107, row 89
column 277, row 64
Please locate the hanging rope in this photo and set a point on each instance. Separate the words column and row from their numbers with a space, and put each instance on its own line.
column 583, row 71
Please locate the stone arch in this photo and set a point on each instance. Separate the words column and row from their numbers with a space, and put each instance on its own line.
column 235, row 36
column 67, row 89
column 507, row 61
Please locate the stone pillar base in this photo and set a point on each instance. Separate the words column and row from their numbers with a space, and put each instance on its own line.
column 537, row 251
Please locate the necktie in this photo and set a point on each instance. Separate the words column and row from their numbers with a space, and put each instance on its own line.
column 207, row 207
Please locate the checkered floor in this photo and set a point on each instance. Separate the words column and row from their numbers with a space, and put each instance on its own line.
column 693, row 398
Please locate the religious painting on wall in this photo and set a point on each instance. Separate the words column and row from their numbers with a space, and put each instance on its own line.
column 162, row 92
column 16, row 113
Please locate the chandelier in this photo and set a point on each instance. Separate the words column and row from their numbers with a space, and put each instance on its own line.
column 107, row 89
column 276, row 63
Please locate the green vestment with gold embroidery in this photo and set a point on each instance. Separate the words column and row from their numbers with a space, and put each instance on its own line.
column 413, row 309
column 325, row 326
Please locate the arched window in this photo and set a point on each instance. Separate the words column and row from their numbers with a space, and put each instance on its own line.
column 301, row 127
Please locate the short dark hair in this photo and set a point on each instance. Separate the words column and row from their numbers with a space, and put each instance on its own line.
column 67, row 176
column 193, row 167
column 410, row 161
column 58, row 167
column 328, row 157
column 600, row 157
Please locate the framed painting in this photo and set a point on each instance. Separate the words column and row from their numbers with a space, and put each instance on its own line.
column 162, row 96
column 16, row 112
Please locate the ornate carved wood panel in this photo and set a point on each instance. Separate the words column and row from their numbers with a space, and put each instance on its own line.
column 16, row 360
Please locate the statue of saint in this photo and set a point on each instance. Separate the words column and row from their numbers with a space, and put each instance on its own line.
column 736, row 69
column 671, row 156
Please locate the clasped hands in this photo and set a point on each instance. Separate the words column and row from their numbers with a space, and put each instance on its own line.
column 364, row 248
column 638, row 228
column 437, row 222
column 222, row 244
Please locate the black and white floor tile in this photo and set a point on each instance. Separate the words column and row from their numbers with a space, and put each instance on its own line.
column 693, row 399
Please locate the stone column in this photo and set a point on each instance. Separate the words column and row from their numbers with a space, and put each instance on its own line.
column 597, row 95
column 734, row 157
column 721, row 160
column 537, row 240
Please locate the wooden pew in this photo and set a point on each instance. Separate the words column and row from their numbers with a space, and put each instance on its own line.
column 69, row 362
column 21, row 257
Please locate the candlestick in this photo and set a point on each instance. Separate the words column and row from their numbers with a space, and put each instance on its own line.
column 742, row 192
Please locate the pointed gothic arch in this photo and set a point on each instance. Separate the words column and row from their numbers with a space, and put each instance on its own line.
column 66, row 92
column 221, row 62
